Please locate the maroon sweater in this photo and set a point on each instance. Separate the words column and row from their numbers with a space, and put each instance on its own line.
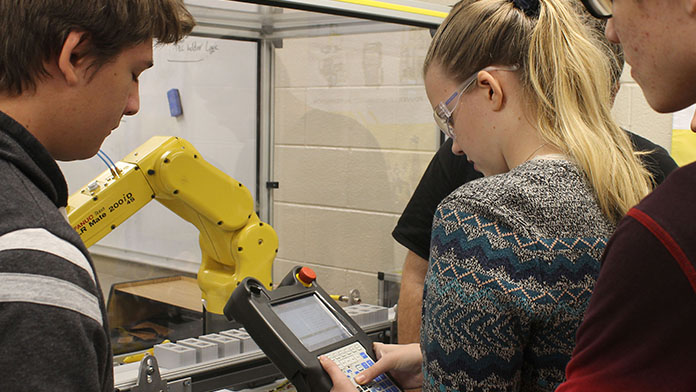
column 639, row 331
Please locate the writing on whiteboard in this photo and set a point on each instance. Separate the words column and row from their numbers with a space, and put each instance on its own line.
column 192, row 50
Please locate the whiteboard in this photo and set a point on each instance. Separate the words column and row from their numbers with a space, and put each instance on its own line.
column 217, row 82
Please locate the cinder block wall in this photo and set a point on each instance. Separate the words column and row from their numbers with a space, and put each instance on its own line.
column 633, row 112
column 353, row 135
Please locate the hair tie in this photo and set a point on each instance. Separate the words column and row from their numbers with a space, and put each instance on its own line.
column 529, row 7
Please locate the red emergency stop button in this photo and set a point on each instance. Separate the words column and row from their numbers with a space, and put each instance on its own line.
column 306, row 276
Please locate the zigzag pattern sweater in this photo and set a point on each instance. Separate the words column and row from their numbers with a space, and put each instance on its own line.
column 513, row 262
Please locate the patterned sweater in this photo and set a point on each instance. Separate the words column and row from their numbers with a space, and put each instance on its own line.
column 513, row 261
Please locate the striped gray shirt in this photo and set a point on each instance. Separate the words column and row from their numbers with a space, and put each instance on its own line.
column 52, row 316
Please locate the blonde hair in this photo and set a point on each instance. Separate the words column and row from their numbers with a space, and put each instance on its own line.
column 566, row 77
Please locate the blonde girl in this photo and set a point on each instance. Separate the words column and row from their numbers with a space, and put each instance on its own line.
column 523, row 89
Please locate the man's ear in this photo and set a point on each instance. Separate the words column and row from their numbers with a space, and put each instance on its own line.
column 493, row 90
column 72, row 62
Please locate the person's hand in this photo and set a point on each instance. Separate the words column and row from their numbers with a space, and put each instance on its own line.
column 341, row 383
column 402, row 361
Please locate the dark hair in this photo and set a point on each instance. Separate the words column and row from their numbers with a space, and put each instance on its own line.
column 32, row 32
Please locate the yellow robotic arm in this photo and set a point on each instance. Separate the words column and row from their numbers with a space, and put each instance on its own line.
column 234, row 242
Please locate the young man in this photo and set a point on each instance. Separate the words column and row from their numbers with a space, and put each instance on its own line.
column 68, row 73
column 638, row 331
column 447, row 172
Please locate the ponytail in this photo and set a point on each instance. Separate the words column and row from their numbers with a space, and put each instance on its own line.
column 571, row 76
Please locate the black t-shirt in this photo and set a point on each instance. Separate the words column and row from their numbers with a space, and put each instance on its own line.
column 447, row 172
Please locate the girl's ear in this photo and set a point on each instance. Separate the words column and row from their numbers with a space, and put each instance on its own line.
column 493, row 88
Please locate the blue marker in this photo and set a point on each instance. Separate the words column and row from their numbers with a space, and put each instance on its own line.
column 174, row 99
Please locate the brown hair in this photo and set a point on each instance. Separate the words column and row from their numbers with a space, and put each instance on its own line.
column 566, row 77
column 33, row 32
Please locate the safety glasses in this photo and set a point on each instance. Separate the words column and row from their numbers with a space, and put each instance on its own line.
column 444, row 110
column 598, row 8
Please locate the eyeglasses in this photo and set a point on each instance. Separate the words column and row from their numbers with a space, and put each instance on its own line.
column 443, row 114
column 599, row 8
